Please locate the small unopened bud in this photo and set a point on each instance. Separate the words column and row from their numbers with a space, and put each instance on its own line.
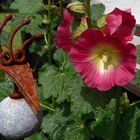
column 77, row 8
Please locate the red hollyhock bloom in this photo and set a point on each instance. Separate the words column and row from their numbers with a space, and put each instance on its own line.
column 63, row 34
column 120, row 24
column 64, row 38
column 103, row 61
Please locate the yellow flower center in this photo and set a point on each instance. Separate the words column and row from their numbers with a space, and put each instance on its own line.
column 105, row 57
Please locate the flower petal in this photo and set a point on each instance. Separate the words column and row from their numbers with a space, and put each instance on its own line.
column 126, row 70
column 120, row 24
column 63, row 35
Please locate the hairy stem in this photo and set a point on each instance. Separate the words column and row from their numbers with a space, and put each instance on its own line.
column 61, row 8
column 134, row 103
column 49, row 35
column 88, row 12
column 117, row 113
column 47, row 107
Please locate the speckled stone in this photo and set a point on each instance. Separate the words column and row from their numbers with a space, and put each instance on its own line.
column 17, row 120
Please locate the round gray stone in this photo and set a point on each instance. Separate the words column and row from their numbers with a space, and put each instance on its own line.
column 17, row 120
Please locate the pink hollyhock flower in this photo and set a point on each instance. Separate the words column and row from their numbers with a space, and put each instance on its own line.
column 103, row 61
column 120, row 24
column 63, row 34
column 64, row 37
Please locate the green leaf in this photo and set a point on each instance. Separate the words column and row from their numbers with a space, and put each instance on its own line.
column 96, row 98
column 104, row 121
column 37, row 136
column 58, row 56
column 27, row 6
column 80, row 105
column 137, row 78
column 97, row 11
column 129, row 124
column 75, row 24
column 138, row 54
column 4, row 38
column 59, row 84
column 76, row 132
column 90, row 99
column 101, row 22
column 6, row 86
column 33, row 27
column 54, row 125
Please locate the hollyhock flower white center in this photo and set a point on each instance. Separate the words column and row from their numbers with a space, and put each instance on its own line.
column 106, row 58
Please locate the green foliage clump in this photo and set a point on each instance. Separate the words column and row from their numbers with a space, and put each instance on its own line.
column 71, row 111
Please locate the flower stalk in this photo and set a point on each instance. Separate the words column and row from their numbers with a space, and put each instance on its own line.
column 49, row 33
column 61, row 8
column 88, row 12
column 47, row 107
column 61, row 12
column 117, row 113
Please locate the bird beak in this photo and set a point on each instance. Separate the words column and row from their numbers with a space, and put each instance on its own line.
column 23, row 79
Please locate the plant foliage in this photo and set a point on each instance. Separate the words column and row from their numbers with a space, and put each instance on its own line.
column 71, row 111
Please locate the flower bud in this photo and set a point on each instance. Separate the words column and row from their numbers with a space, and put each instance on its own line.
column 77, row 8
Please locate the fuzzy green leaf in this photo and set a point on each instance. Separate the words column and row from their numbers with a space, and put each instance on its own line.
column 58, row 56
column 137, row 78
column 138, row 54
column 59, row 84
column 76, row 132
column 89, row 100
column 37, row 136
column 97, row 11
column 27, row 6
column 54, row 124
column 6, row 86
column 33, row 27
column 129, row 124
column 80, row 105
column 104, row 121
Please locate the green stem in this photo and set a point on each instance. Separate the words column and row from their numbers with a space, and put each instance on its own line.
column 117, row 113
column 88, row 12
column 47, row 107
column 64, row 62
column 61, row 8
column 134, row 103
column 65, row 57
column 49, row 33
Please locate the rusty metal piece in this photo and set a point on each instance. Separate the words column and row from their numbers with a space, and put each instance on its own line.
column 19, row 56
column 1, row 49
column 6, row 18
column 23, row 79
column 35, row 37
column 6, row 58
column 15, row 65
column 16, row 95
column 21, row 24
